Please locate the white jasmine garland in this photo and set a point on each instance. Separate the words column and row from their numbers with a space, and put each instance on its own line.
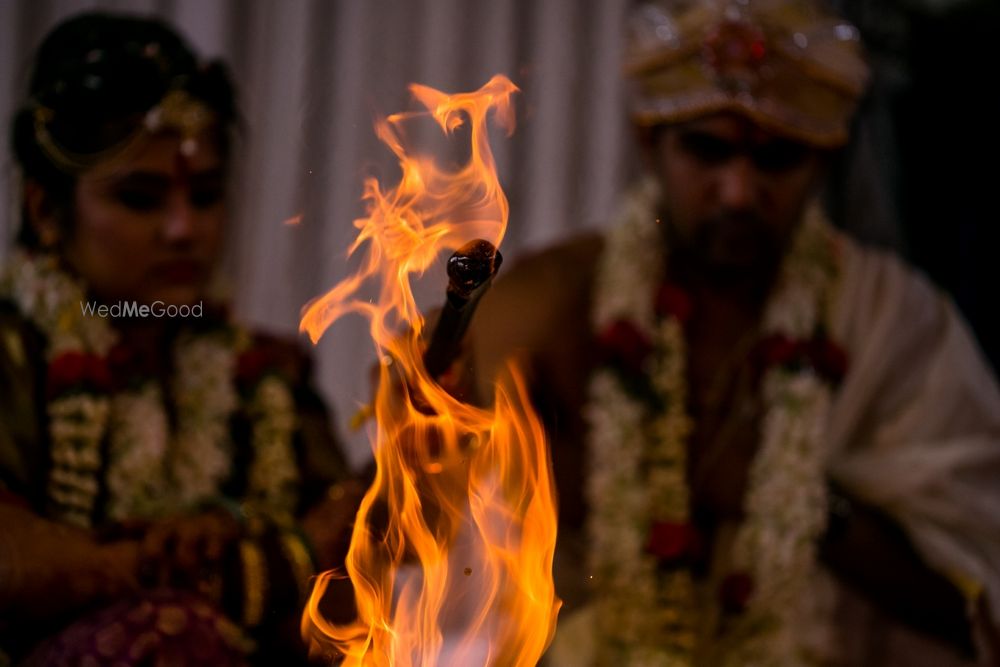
column 139, row 436
column 205, row 398
column 273, row 474
column 637, row 472
column 150, row 471
column 77, row 421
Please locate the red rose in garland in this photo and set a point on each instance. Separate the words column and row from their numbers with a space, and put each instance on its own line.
column 77, row 371
column 820, row 353
column 779, row 350
column 128, row 367
column 252, row 365
column 735, row 592
column 623, row 345
column 672, row 300
column 829, row 359
column 672, row 542
column 266, row 357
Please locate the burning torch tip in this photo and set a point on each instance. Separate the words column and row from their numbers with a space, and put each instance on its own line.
column 472, row 265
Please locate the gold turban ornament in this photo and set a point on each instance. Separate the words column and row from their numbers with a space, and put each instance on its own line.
column 788, row 65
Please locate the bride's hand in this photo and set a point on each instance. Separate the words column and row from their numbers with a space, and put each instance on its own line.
column 179, row 551
column 47, row 568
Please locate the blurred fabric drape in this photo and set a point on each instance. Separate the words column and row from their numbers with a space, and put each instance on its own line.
column 313, row 75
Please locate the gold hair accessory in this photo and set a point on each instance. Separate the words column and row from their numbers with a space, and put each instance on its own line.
column 178, row 111
column 182, row 113
column 786, row 64
column 72, row 161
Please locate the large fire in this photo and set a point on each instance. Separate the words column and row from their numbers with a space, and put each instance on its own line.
column 451, row 554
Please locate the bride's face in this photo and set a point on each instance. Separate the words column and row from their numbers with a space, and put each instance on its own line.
column 150, row 228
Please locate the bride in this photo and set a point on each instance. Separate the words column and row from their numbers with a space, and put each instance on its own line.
column 168, row 483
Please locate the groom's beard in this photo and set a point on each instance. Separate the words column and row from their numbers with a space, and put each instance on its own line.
column 731, row 247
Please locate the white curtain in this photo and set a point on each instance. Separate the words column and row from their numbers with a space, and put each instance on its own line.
column 312, row 76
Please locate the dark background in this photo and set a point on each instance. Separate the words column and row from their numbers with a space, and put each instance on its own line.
column 936, row 85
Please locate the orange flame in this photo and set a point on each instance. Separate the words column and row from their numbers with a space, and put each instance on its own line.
column 451, row 554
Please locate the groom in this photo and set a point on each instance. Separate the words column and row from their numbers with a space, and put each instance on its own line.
column 771, row 444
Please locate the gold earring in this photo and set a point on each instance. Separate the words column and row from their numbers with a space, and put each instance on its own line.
column 48, row 235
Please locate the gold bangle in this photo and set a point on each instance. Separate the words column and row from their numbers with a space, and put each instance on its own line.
column 298, row 557
column 358, row 419
column 970, row 588
column 254, row 576
column 211, row 587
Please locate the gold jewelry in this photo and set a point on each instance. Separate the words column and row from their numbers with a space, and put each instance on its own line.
column 211, row 586
column 183, row 113
column 177, row 111
column 336, row 491
column 71, row 161
column 358, row 419
column 298, row 557
column 254, row 578
column 788, row 65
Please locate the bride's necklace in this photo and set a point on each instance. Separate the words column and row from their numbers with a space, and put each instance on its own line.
column 149, row 467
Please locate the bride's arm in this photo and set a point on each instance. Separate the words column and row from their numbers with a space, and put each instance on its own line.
column 47, row 568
